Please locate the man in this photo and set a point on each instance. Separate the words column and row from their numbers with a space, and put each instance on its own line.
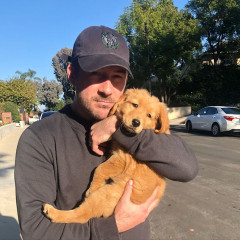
column 56, row 156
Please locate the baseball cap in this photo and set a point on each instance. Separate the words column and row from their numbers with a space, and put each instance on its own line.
column 98, row 47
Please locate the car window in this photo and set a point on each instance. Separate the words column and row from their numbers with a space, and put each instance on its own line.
column 46, row 114
column 202, row 111
column 231, row 110
column 212, row 111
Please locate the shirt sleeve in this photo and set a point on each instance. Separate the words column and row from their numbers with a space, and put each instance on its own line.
column 35, row 185
column 167, row 154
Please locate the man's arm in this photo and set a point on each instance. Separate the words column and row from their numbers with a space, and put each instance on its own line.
column 35, row 185
column 167, row 154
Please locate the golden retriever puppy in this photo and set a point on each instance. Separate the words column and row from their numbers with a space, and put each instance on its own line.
column 137, row 110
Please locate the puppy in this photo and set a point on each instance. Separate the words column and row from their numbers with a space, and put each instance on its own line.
column 137, row 110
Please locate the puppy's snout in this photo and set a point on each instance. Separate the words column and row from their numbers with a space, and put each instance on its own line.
column 135, row 122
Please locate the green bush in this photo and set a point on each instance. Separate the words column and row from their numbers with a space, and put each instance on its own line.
column 196, row 100
column 58, row 106
column 13, row 108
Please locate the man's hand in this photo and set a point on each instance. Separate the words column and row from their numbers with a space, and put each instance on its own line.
column 101, row 132
column 128, row 214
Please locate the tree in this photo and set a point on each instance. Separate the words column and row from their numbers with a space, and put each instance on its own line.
column 13, row 109
column 60, row 63
column 19, row 91
column 1, row 109
column 30, row 74
column 59, row 106
column 162, row 43
column 216, row 83
column 211, row 85
column 30, row 77
column 220, row 23
column 49, row 93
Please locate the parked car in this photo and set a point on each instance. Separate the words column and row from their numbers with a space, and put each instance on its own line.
column 33, row 119
column 46, row 114
column 216, row 119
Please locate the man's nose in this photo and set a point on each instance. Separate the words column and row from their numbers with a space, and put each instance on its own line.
column 106, row 87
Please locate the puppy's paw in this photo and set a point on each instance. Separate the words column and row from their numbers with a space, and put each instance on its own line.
column 48, row 211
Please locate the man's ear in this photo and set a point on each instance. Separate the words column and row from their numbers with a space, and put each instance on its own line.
column 115, row 106
column 163, row 121
column 71, row 74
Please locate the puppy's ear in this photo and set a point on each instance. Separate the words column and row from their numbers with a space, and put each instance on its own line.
column 163, row 121
column 115, row 106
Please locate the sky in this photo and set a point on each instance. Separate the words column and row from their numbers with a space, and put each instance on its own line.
column 32, row 32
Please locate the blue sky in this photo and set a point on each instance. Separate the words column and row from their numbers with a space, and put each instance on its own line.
column 32, row 32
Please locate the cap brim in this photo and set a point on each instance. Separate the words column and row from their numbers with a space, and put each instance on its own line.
column 95, row 62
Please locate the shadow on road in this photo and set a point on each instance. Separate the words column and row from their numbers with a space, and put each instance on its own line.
column 3, row 171
column 2, row 155
column 9, row 228
column 177, row 128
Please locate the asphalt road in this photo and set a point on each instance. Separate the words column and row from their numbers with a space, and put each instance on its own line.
column 207, row 208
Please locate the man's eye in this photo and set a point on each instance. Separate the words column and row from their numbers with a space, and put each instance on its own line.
column 117, row 79
column 135, row 105
column 149, row 115
column 117, row 76
column 94, row 73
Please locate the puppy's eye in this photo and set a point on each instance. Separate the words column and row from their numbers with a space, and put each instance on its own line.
column 135, row 105
column 149, row 115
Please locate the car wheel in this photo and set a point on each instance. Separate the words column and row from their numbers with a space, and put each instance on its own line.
column 215, row 130
column 189, row 126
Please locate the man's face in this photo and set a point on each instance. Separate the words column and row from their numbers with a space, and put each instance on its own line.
column 98, row 91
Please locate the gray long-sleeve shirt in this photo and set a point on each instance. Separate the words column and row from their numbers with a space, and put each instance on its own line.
column 54, row 164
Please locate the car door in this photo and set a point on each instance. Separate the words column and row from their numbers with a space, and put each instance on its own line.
column 209, row 118
column 198, row 120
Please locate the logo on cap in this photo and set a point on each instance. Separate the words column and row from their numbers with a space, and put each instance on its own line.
column 109, row 40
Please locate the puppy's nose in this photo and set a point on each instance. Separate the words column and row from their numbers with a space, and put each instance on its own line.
column 135, row 122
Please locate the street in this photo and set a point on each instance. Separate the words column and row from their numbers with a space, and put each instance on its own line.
column 207, row 208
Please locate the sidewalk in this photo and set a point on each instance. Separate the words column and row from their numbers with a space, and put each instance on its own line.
column 178, row 121
column 9, row 229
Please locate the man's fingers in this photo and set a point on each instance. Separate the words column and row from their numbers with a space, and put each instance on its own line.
column 128, row 190
column 99, row 149
column 153, row 205
column 152, row 197
column 152, row 202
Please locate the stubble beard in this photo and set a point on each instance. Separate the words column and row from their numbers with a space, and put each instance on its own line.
column 87, row 108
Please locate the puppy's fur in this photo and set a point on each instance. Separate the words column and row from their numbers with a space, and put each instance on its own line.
column 136, row 110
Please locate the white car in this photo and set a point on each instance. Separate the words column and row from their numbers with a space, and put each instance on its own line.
column 33, row 119
column 216, row 119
